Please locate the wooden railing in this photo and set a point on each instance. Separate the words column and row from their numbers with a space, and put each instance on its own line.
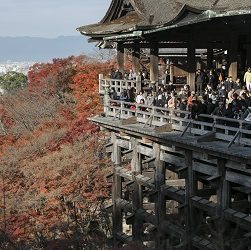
column 118, row 85
column 230, row 130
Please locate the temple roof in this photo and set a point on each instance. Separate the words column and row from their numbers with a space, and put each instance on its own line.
column 129, row 15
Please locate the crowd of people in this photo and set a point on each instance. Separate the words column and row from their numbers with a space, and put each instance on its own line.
column 215, row 94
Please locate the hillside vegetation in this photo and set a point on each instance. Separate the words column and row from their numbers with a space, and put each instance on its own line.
column 52, row 165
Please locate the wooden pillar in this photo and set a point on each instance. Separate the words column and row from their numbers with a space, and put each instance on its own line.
column 248, row 54
column 136, row 59
column 171, row 70
column 223, row 202
column 160, row 201
column 117, row 219
column 120, row 57
column 191, row 67
column 154, row 64
column 232, row 58
column 191, row 188
column 209, row 58
column 137, row 200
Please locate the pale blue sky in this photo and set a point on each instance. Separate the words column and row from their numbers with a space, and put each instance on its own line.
column 48, row 18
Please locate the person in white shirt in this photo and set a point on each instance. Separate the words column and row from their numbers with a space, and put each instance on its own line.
column 139, row 97
column 247, row 79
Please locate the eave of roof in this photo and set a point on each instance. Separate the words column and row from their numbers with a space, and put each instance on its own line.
column 124, row 24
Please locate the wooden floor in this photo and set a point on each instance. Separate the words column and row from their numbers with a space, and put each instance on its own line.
column 175, row 189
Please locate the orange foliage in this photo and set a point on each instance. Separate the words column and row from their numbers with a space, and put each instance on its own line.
column 52, row 166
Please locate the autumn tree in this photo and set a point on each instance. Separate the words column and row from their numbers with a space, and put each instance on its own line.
column 52, row 159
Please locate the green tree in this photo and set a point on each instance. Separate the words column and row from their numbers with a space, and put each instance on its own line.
column 12, row 81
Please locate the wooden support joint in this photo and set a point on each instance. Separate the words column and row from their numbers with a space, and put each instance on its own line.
column 210, row 136
column 130, row 120
column 164, row 128
column 127, row 152
column 148, row 160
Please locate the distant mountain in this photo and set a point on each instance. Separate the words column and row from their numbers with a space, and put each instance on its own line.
column 38, row 49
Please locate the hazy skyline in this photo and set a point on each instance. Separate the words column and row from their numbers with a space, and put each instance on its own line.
column 48, row 18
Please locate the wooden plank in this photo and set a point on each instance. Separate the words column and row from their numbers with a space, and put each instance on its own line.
column 208, row 137
column 204, row 168
column 176, row 183
column 172, row 159
column 130, row 120
column 164, row 128
column 241, row 179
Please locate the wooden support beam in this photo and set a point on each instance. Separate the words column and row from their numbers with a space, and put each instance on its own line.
column 191, row 188
column 148, row 160
column 209, row 58
column 127, row 151
column 116, row 190
column 191, row 66
column 136, row 59
column 160, row 202
column 176, row 183
column 164, row 128
column 154, row 64
column 206, row 192
column 210, row 136
column 241, row 179
column 137, row 197
column 130, row 120
column 223, row 202
column 120, row 57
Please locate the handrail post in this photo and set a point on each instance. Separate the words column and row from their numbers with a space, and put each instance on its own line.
column 106, row 100
column 138, row 84
column 100, row 80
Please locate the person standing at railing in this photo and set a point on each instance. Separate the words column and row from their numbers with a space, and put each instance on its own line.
column 113, row 94
column 131, row 75
column 237, row 84
column 139, row 97
column 151, row 99
column 131, row 93
column 247, row 79
column 124, row 95
column 200, row 81
column 172, row 102
column 118, row 75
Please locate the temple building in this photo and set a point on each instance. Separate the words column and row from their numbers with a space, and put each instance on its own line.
column 211, row 25
column 177, row 183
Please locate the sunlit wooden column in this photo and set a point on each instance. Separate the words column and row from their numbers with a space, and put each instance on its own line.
column 136, row 59
column 154, row 63
column 191, row 67
column 232, row 58
column 120, row 57
column 116, row 190
column 137, row 199
column 160, row 201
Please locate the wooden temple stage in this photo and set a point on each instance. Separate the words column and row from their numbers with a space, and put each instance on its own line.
column 178, row 183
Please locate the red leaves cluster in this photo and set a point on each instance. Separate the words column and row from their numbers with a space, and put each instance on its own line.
column 58, row 156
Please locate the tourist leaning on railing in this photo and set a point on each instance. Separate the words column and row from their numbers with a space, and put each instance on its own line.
column 228, row 99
